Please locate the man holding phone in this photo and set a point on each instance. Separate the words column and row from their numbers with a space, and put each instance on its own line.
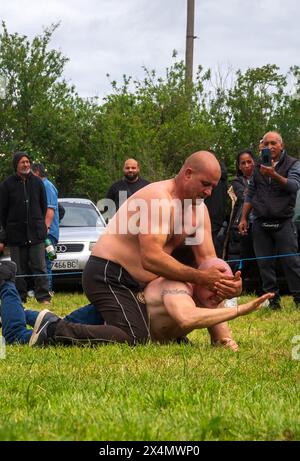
column 272, row 195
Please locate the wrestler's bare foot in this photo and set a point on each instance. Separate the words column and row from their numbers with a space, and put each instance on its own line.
column 256, row 304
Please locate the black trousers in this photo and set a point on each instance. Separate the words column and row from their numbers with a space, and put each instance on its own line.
column 118, row 298
column 277, row 242
column 31, row 260
column 249, row 268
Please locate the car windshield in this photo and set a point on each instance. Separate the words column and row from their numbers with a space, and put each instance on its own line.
column 80, row 215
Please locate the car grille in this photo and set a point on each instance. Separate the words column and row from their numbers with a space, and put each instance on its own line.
column 69, row 247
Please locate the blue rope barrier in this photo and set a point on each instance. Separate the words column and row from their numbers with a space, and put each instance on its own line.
column 46, row 275
column 240, row 261
column 263, row 257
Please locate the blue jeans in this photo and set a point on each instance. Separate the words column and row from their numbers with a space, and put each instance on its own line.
column 49, row 263
column 87, row 315
column 13, row 316
column 15, row 319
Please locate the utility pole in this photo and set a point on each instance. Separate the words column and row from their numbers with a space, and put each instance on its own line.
column 189, row 49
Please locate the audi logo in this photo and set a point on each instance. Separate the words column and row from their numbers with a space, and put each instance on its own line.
column 61, row 248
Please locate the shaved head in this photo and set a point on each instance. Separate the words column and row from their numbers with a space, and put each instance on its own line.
column 201, row 161
column 131, row 170
column 199, row 174
column 132, row 162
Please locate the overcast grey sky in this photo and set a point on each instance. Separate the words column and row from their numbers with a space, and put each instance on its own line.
column 120, row 36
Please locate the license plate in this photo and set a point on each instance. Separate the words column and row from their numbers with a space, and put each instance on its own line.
column 65, row 265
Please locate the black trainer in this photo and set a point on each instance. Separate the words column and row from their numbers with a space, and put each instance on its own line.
column 183, row 340
column 40, row 333
column 8, row 270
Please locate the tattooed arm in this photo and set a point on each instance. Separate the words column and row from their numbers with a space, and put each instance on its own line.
column 178, row 301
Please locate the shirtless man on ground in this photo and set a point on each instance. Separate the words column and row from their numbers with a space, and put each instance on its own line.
column 171, row 306
column 174, row 311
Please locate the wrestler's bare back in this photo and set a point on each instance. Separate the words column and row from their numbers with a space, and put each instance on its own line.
column 163, row 327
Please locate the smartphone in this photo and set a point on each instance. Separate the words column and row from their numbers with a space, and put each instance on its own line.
column 266, row 157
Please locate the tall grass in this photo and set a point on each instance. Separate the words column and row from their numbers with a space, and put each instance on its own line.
column 153, row 392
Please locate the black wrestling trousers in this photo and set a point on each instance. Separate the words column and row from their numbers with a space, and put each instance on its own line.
column 119, row 299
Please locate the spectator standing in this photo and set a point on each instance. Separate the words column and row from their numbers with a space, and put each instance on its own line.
column 272, row 195
column 216, row 205
column 23, row 206
column 52, row 214
column 241, row 246
column 127, row 186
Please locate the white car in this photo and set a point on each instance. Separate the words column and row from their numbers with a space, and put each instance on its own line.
column 79, row 229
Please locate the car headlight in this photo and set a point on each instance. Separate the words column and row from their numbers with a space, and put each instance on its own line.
column 91, row 246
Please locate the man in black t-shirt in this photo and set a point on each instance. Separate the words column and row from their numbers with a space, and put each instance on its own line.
column 132, row 182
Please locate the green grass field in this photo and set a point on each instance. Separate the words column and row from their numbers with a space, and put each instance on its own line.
column 174, row 392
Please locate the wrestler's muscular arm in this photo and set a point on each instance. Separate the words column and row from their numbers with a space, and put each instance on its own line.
column 227, row 287
column 156, row 260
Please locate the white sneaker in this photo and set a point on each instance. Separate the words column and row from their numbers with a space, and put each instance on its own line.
column 233, row 302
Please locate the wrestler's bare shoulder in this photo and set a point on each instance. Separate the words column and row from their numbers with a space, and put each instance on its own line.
column 154, row 290
column 160, row 189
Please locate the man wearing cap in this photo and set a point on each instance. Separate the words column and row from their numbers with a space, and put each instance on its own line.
column 23, row 207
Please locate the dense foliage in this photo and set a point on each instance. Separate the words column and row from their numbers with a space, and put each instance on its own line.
column 159, row 121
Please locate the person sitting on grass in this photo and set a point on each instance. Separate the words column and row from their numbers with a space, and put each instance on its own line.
column 172, row 308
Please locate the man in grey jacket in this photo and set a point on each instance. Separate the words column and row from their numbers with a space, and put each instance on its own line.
column 272, row 195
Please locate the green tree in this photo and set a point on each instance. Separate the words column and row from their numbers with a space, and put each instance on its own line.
column 158, row 120
column 41, row 112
